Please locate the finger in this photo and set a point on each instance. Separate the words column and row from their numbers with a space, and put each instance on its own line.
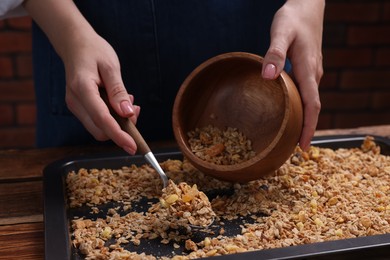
column 78, row 110
column 116, row 91
column 307, row 70
column 97, row 119
column 275, row 58
column 136, row 108
column 101, row 116
column 312, row 106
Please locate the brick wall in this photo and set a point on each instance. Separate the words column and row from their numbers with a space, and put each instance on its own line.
column 17, row 106
column 355, row 89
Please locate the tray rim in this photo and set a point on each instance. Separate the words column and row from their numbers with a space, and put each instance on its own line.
column 58, row 245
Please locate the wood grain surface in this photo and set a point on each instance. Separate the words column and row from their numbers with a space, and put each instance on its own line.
column 22, row 241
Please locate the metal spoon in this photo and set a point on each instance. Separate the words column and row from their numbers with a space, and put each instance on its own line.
column 128, row 126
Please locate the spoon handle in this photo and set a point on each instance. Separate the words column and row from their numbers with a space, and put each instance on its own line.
column 128, row 126
column 142, row 147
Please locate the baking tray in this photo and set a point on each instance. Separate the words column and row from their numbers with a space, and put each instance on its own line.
column 57, row 214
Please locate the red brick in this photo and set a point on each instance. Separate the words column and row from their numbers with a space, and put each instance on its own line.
column 355, row 79
column 6, row 67
column 19, row 23
column 329, row 80
column 21, row 137
column 2, row 24
column 22, row 90
column 26, row 114
column 334, row 34
column 324, row 121
column 345, row 101
column 358, row 119
column 24, row 66
column 382, row 57
column 353, row 12
column 386, row 11
column 381, row 100
column 6, row 115
column 343, row 57
column 376, row 34
column 11, row 42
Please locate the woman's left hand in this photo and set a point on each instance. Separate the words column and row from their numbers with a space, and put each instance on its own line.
column 296, row 33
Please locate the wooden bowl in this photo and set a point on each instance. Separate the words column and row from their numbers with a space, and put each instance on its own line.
column 229, row 91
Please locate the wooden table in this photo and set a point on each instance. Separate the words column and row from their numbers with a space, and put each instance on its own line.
column 21, row 185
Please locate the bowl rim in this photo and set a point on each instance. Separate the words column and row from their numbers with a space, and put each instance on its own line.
column 181, row 135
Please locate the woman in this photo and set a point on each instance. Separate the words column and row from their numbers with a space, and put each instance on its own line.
column 141, row 51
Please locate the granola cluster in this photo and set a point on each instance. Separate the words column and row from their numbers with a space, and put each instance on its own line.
column 316, row 196
column 185, row 204
column 222, row 147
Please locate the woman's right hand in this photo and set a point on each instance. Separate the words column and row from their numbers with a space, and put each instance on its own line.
column 90, row 62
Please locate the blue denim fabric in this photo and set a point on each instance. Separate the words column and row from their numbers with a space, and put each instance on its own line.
column 158, row 43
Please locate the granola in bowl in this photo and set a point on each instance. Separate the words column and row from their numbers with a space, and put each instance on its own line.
column 222, row 147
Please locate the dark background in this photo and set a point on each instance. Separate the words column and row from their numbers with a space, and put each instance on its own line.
column 355, row 88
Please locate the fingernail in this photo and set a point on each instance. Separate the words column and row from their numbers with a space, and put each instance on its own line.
column 127, row 109
column 129, row 150
column 269, row 71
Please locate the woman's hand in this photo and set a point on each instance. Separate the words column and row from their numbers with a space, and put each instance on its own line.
column 296, row 33
column 90, row 62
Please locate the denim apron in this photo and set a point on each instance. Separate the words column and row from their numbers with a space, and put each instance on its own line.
column 158, row 44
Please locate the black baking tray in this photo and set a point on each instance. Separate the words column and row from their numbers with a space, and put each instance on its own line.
column 57, row 214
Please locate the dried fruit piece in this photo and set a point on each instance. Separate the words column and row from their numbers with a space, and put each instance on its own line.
column 215, row 150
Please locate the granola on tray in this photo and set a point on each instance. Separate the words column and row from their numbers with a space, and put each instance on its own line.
column 316, row 196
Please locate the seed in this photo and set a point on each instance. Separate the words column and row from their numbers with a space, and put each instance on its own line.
column 211, row 252
column 338, row 232
column 106, row 233
column 207, row 241
column 172, row 198
column 300, row 226
column 319, row 222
